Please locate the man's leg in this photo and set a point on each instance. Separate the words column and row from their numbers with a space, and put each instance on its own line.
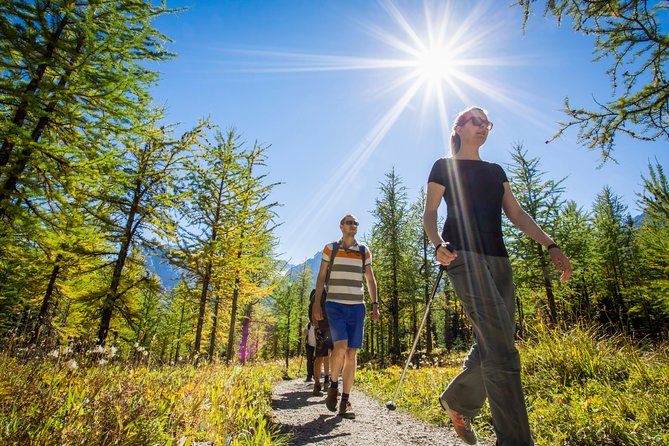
column 318, row 362
column 348, row 372
column 310, row 361
column 337, row 359
column 355, row 326
column 326, row 370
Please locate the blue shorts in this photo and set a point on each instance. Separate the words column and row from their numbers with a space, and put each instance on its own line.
column 347, row 322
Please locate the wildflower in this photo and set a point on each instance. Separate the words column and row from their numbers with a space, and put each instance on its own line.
column 144, row 352
column 112, row 352
column 103, row 362
column 67, row 351
column 54, row 353
column 98, row 349
column 71, row 365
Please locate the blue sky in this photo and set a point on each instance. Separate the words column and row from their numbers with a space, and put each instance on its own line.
column 319, row 81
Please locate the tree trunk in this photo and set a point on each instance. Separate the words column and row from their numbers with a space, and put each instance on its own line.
column 233, row 317
column 112, row 293
column 181, row 322
column 548, row 285
column 44, row 309
column 31, row 88
column 214, row 324
column 203, row 305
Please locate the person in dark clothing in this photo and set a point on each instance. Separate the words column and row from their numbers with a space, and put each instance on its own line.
column 309, row 346
column 471, row 246
column 322, row 350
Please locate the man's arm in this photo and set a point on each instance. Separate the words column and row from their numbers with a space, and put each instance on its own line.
column 371, row 287
column 317, row 310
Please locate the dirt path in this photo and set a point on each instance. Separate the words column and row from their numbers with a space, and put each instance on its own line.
column 306, row 418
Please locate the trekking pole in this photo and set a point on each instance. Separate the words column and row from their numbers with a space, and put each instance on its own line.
column 390, row 405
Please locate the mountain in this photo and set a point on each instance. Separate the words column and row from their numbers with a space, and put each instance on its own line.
column 168, row 275
column 639, row 220
column 314, row 264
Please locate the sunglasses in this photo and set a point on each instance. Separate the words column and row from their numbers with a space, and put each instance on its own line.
column 478, row 122
column 351, row 222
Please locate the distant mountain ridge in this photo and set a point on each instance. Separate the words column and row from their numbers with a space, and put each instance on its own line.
column 170, row 276
column 314, row 264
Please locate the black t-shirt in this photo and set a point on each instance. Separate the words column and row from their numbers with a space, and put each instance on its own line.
column 473, row 195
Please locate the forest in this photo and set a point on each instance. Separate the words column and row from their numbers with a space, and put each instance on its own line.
column 95, row 186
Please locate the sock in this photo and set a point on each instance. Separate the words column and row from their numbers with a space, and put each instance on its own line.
column 334, row 385
column 344, row 396
column 327, row 378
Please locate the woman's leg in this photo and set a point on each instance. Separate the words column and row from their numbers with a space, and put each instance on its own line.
column 484, row 285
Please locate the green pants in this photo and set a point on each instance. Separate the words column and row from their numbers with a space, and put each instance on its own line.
column 484, row 286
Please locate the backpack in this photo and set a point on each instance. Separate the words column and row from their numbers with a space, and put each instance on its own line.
column 335, row 248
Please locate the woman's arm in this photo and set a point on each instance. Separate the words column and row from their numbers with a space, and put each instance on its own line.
column 522, row 220
column 435, row 193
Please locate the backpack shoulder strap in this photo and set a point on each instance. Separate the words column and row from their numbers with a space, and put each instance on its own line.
column 335, row 248
column 363, row 254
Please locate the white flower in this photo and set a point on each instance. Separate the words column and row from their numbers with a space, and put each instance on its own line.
column 98, row 349
column 136, row 345
column 112, row 351
column 71, row 364
column 54, row 353
column 103, row 362
column 144, row 352
column 67, row 351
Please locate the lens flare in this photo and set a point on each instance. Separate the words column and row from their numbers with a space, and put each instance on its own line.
column 442, row 55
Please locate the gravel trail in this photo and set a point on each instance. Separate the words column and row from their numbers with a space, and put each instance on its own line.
column 308, row 421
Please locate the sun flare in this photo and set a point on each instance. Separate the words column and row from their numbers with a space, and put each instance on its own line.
column 434, row 65
column 441, row 55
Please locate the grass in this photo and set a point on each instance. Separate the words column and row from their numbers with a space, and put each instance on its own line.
column 581, row 388
column 47, row 403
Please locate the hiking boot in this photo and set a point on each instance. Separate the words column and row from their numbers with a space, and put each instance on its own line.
column 326, row 384
column 308, row 380
column 317, row 389
column 461, row 424
column 331, row 400
column 346, row 410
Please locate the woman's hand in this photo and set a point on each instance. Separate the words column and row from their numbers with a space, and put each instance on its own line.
column 561, row 263
column 445, row 255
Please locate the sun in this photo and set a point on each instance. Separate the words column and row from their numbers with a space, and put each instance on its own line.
column 434, row 66
column 440, row 56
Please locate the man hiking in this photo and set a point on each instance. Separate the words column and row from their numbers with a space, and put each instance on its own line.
column 343, row 266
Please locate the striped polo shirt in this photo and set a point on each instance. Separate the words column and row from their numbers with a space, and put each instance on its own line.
column 345, row 285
